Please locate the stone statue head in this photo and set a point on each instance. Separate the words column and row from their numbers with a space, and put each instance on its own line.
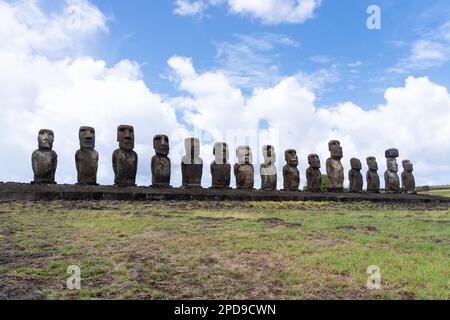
column 372, row 163
column 192, row 146
column 336, row 150
column 161, row 144
column 45, row 139
column 221, row 152
column 269, row 155
column 125, row 137
column 392, row 165
column 355, row 164
column 407, row 166
column 291, row 157
column 244, row 155
column 87, row 137
column 314, row 161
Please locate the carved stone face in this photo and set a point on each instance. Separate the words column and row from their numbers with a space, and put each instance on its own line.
column 269, row 154
column 161, row 145
column 125, row 137
column 408, row 166
column 87, row 137
column 221, row 153
column 355, row 164
column 392, row 165
column 291, row 157
column 244, row 155
column 335, row 149
column 192, row 146
column 45, row 139
column 314, row 161
column 372, row 163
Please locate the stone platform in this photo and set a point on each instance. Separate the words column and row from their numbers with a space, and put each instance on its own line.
column 30, row 192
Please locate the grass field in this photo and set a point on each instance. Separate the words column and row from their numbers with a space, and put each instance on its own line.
column 292, row 250
column 442, row 193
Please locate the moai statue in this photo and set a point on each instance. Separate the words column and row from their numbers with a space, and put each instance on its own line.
column 244, row 170
column 390, row 176
column 268, row 170
column 355, row 177
column 192, row 164
column 124, row 159
column 335, row 170
column 373, row 180
column 220, row 168
column 313, row 174
column 86, row 159
column 44, row 160
column 161, row 165
column 408, row 181
column 291, row 175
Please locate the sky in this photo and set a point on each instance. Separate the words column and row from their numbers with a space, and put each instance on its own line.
column 291, row 73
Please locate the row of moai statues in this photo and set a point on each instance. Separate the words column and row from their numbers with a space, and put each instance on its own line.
column 125, row 162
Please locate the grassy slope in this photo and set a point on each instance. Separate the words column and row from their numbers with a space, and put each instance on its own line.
column 227, row 250
column 442, row 193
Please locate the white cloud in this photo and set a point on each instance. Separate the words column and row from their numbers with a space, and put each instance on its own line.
column 270, row 12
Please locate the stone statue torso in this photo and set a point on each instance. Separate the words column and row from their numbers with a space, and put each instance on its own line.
column 44, row 164
column 161, row 171
column 408, row 182
column 291, row 177
column 221, row 175
column 314, row 179
column 356, row 180
column 245, row 176
column 392, row 181
column 87, row 166
column 125, row 164
column 335, row 172
column 373, row 181
column 192, row 172
column 268, row 177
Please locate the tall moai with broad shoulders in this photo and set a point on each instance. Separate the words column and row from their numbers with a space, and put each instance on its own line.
column 355, row 177
column 313, row 174
column 391, row 179
column 44, row 160
column 220, row 167
column 291, row 174
column 335, row 170
column 161, row 165
column 372, row 177
column 243, row 169
column 268, row 170
column 192, row 164
column 86, row 158
column 125, row 159
column 408, row 181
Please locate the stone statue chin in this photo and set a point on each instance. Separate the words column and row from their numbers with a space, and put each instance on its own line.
column 124, row 159
column 408, row 181
column 86, row 158
column 372, row 177
column 268, row 170
column 192, row 164
column 335, row 170
column 291, row 175
column 44, row 160
column 244, row 170
column 161, row 165
column 392, row 181
column 220, row 168
column 355, row 177
column 313, row 174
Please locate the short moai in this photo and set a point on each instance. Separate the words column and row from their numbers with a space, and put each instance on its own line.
column 355, row 177
column 291, row 175
column 391, row 179
column 313, row 174
column 220, row 167
column 161, row 165
column 268, row 170
column 335, row 170
column 125, row 159
column 192, row 164
column 243, row 169
column 86, row 158
column 372, row 177
column 408, row 181
column 44, row 160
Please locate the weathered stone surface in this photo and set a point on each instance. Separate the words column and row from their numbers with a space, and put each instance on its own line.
column 335, row 170
column 244, row 170
column 291, row 175
column 313, row 174
column 161, row 165
column 192, row 164
column 124, row 159
column 44, row 160
column 408, row 181
column 355, row 177
column 392, row 181
column 372, row 177
column 268, row 170
column 86, row 158
column 220, row 168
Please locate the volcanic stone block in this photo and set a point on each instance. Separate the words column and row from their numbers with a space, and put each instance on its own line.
column 161, row 165
column 291, row 175
column 335, row 170
column 44, row 160
column 192, row 164
column 86, row 158
column 244, row 170
column 268, row 170
column 313, row 174
column 355, row 177
column 125, row 159
column 220, row 168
